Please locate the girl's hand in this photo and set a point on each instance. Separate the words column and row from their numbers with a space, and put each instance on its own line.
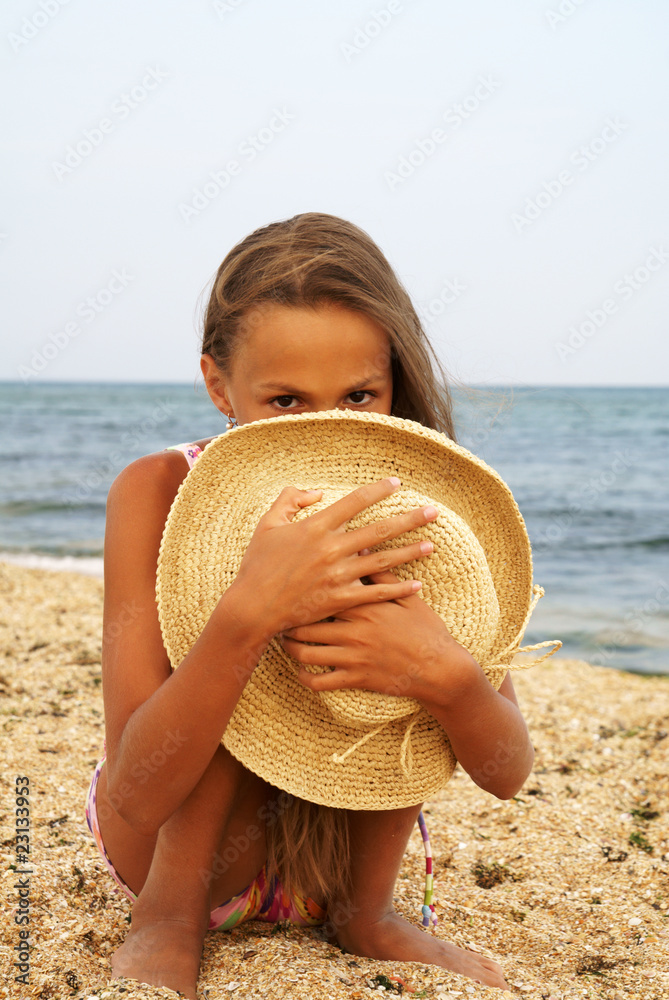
column 402, row 647
column 299, row 572
column 398, row 647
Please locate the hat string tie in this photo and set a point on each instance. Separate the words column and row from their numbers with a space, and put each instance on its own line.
column 538, row 593
column 406, row 754
column 339, row 758
column 555, row 643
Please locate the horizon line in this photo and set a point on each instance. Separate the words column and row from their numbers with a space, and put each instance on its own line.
column 452, row 387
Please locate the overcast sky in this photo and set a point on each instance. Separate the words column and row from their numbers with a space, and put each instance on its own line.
column 509, row 158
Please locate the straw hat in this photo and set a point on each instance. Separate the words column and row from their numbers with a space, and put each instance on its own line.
column 351, row 748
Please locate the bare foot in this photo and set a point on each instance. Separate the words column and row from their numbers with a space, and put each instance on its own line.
column 395, row 939
column 164, row 952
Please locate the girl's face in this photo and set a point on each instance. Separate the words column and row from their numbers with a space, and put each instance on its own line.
column 301, row 360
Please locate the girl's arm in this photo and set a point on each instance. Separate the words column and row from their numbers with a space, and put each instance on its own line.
column 419, row 658
column 485, row 727
column 162, row 727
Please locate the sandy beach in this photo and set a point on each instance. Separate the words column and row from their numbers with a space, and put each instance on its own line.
column 566, row 885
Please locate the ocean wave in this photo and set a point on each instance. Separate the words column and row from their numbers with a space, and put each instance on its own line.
column 573, row 542
column 88, row 565
column 660, row 542
column 21, row 508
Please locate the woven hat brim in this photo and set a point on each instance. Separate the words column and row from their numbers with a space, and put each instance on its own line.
column 298, row 750
column 308, row 449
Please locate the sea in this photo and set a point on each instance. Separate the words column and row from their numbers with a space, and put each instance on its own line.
column 589, row 468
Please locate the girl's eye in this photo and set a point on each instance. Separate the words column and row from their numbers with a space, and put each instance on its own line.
column 280, row 400
column 277, row 398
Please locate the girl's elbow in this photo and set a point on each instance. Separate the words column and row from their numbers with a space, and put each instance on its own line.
column 509, row 785
column 125, row 802
column 140, row 822
column 506, row 793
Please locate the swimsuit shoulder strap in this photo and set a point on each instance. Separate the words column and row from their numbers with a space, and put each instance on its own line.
column 191, row 452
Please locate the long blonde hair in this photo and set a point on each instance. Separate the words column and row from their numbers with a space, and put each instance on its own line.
column 309, row 260
column 315, row 258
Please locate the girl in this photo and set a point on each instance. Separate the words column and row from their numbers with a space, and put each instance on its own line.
column 305, row 315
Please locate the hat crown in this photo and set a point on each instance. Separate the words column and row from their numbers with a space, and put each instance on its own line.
column 456, row 584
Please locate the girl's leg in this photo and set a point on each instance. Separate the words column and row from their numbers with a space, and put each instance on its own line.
column 171, row 914
column 367, row 924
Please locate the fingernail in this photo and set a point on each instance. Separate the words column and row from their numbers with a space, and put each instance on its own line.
column 394, row 481
column 416, row 585
column 430, row 511
column 426, row 546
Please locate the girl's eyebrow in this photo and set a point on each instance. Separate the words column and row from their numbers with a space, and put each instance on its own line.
column 289, row 390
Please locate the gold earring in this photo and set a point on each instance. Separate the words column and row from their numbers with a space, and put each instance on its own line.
column 232, row 422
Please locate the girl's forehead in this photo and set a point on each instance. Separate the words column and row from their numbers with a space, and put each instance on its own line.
column 284, row 336
column 274, row 314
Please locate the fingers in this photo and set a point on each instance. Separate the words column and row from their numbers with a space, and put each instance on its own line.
column 292, row 638
column 384, row 577
column 343, row 677
column 326, row 657
column 333, row 680
column 385, row 581
column 338, row 513
column 390, row 527
column 385, row 559
column 387, row 589
column 289, row 501
column 335, row 515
